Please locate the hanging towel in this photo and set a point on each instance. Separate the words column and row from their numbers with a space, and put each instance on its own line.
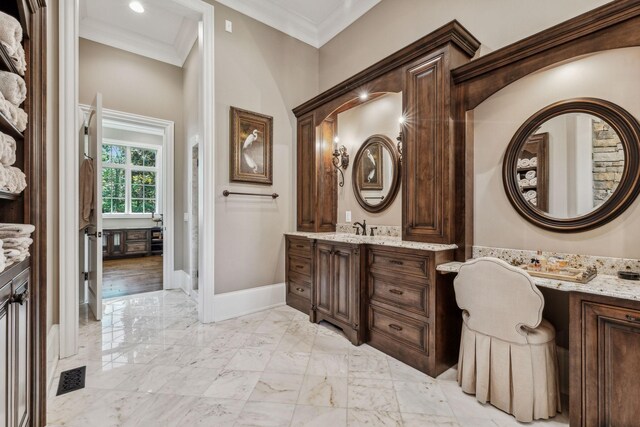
column 13, row 88
column 87, row 189
column 10, row 32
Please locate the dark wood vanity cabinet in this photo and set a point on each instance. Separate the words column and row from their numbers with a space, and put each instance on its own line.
column 117, row 243
column 412, row 313
column 604, row 361
column 337, row 288
column 299, row 267
column 15, row 347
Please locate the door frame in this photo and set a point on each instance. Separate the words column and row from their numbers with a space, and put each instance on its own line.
column 150, row 125
column 68, row 186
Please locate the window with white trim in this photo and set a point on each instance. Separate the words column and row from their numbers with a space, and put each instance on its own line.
column 130, row 179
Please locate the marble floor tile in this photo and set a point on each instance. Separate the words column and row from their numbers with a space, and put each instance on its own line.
column 323, row 391
column 267, row 414
column 150, row 363
column 314, row 416
column 288, row 362
column 249, row 360
column 328, row 364
column 277, row 387
column 357, row 417
column 372, row 395
column 233, row 385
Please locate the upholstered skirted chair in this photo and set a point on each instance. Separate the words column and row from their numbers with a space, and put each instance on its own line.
column 507, row 351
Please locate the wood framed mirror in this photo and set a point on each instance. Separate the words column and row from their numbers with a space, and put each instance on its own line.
column 573, row 166
column 376, row 173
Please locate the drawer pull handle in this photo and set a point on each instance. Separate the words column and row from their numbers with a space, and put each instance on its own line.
column 631, row 318
column 299, row 267
column 393, row 261
column 396, row 291
column 396, row 327
column 300, row 289
column 300, row 246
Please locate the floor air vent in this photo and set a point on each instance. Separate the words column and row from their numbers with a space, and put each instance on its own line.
column 71, row 380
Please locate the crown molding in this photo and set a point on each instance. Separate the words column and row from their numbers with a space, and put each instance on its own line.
column 298, row 26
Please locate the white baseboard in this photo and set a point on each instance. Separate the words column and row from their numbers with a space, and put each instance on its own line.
column 181, row 280
column 247, row 301
column 53, row 353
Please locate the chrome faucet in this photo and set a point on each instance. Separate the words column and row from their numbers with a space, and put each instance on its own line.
column 363, row 225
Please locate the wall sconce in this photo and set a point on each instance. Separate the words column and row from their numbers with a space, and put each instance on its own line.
column 340, row 160
column 400, row 137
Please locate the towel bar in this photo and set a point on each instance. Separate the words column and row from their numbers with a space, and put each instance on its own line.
column 227, row 193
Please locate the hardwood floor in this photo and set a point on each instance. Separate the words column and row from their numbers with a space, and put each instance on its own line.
column 129, row 276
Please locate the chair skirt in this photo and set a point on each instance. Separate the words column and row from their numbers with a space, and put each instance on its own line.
column 521, row 380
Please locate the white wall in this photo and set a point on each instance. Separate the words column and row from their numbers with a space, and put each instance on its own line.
column 263, row 70
column 379, row 116
column 610, row 75
column 393, row 24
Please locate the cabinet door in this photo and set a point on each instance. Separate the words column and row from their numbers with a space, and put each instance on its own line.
column 306, row 173
column 426, row 185
column 612, row 365
column 322, row 286
column 345, row 285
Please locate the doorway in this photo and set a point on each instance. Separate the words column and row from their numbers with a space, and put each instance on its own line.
column 134, row 175
column 70, row 13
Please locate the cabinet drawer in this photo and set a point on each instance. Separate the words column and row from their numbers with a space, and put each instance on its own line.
column 401, row 329
column 406, row 296
column 299, row 246
column 299, row 278
column 135, row 247
column 299, row 265
column 399, row 263
column 302, row 290
column 137, row 235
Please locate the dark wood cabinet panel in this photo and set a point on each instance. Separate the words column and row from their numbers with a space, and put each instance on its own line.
column 299, row 271
column 392, row 329
column 605, row 362
column 16, row 360
column 117, row 243
column 322, row 300
column 306, row 174
column 337, row 288
column 411, row 297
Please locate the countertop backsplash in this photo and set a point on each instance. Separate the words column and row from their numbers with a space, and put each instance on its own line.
column 605, row 265
column 382, row 230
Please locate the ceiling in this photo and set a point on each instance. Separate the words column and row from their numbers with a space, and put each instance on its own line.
column 313, row 21
column 166, row 30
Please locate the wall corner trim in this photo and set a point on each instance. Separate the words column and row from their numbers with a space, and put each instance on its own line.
column 248, row 301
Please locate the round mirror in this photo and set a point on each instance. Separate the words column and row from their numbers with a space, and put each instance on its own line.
column 376, row 173
column 570, row 166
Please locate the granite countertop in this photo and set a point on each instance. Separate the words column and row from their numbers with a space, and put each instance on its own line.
column 396, row 242
column 602, row 284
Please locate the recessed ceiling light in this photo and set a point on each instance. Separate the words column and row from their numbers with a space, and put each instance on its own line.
column 364, row 96
column 136, row 6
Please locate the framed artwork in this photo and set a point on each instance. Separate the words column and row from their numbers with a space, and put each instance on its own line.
column 370, row 175
column 251, row 151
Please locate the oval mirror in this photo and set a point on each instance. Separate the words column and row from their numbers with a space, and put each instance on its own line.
column 376, row 173
column 573, row 165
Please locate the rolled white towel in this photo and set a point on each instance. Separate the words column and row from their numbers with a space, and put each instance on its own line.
column 17, row 57
column 17, row 115
column 17, row 228
column 533, row 161
column 520, row 163
column 523, row 182
column 15, row 181
column 7, row 150
column 10, row 32
column 534, row 201
column 525, row 163
column 530, row 175
column 17, row 242
column 531, row 194
column 13, row 88
column 533, row 181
